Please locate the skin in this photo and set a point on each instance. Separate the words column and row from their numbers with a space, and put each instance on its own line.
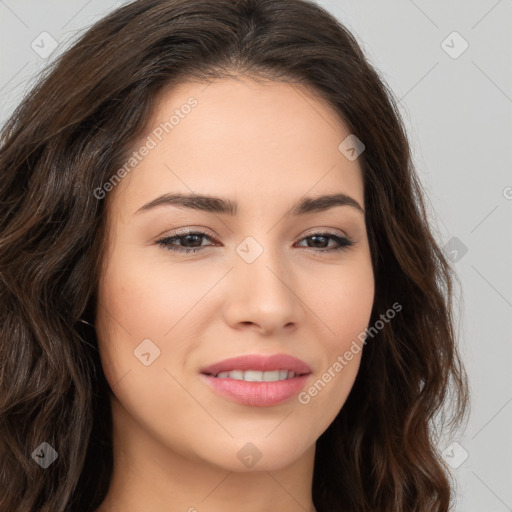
column 264, row 145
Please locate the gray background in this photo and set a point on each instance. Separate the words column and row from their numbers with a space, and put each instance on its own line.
column 457, row 108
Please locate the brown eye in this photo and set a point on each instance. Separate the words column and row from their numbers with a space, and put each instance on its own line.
column 322, row 238
column 192, row 238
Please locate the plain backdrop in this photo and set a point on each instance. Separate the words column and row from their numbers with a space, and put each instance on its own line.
column 449, row 65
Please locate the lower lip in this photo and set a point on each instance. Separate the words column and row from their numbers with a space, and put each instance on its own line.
column 258, row 394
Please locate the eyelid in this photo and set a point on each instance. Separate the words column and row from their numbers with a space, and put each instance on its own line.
column 206, row 231
column 181, row 232
column 326, row 230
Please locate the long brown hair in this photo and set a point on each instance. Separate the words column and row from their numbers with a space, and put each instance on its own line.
column 67, row 138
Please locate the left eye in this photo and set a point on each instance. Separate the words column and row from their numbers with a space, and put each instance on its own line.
column 194, row 238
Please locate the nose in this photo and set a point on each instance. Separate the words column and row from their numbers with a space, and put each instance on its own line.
column 262, row 294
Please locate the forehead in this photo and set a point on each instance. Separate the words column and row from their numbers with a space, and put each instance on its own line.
column 242, row 139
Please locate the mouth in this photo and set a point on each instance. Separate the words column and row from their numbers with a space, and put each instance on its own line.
column 258, row 367
column 257, row 376
column 257, row 380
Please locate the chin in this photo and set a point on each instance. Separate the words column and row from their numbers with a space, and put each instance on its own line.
column 258, row 454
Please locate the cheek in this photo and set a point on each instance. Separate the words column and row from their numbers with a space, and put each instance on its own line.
column 141, row 300
column 131, row 309
column 146, row 299
column 343, row 301
column 136, row 309
column 141, row 303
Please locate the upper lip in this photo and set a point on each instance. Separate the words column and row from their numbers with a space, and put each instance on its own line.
column 258, row 362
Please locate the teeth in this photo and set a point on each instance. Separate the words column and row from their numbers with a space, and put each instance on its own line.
column 256, row 376
column 272, row 376
column 253, row 376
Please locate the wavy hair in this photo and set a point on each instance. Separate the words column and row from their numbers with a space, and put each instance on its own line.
column 66, row 139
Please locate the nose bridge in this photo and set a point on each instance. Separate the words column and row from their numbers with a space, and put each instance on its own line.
column 263, row 281
column 257, row 261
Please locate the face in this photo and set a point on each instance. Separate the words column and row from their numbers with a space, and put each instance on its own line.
column 264, row 281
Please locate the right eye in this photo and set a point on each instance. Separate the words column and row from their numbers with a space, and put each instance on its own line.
column 190, row 237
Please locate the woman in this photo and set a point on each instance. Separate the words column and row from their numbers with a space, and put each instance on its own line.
column 297, row 359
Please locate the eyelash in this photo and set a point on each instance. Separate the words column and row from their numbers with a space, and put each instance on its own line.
column 343, row 241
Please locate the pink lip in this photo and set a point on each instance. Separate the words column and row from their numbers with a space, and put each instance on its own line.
column 260, row 363
column 259, row 394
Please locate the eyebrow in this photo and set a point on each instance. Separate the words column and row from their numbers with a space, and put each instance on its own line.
column 213, row 204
